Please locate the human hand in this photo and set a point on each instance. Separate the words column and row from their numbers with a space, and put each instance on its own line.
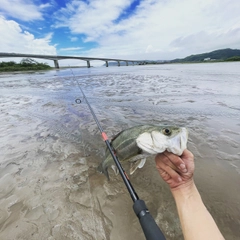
column 175, row 170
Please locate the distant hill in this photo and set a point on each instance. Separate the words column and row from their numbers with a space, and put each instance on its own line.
column 218, row 55
column 227, row 54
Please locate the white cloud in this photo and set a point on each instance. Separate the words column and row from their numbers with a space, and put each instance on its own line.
column 24, row 10
column 70, row 49
column 151, row 49
column 16, row 40
column 175, row 28
column 157, row 29
column 73, row 39
column 46, row 5
column 207, row 41
column 93, row 18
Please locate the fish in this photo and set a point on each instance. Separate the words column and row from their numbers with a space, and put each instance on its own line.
column 136, row 143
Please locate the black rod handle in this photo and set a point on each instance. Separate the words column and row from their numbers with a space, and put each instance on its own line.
column 148, row 224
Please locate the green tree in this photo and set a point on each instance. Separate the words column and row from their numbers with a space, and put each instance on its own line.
column 235, row 58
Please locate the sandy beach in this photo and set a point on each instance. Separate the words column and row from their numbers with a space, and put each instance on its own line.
column 50, row 149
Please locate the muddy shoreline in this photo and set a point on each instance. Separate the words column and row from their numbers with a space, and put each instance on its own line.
column 49, row 186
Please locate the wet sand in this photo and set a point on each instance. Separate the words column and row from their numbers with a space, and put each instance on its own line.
column 50, row 148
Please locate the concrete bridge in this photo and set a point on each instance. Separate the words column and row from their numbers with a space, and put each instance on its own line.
column 56, row 58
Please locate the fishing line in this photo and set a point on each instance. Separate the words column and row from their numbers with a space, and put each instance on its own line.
column 89, row 189
column 148, row 224
column 78, row 101
column 124, row 175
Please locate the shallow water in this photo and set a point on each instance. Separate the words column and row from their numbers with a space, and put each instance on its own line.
column 50, row 148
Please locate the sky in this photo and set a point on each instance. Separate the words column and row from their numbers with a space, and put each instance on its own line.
column 126, row 29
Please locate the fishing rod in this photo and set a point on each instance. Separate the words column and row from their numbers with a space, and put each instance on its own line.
column 147, row 222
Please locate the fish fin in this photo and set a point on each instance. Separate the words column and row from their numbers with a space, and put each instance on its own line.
column 115, row 136
column 142, row 163
column 100, row 168
column 136, row 164
column 115, row 169
column 103, row 170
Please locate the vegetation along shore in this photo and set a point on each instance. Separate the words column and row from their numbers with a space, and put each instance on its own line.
column 26, row 64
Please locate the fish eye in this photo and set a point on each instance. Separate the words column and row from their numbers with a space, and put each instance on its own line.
column 166, row 131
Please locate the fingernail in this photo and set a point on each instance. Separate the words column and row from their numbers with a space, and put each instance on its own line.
column 179, row 179
column 183, row 167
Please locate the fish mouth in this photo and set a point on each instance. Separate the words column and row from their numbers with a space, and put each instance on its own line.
column 178, row 143
column 156, row 142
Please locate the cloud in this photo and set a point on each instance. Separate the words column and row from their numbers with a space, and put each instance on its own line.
column 70, row 49
column 90, row 18
column 46, row 5
column 153, row 29
column 73, row 39
column 24, row 10
column 207, row 41
column 19, row 41
column 175, row 28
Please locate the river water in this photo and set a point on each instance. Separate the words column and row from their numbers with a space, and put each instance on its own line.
column 50, row 148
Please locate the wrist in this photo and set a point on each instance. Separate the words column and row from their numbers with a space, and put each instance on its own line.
column 185, row 190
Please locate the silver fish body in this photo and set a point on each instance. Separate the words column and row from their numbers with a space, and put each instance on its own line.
column 131, row 143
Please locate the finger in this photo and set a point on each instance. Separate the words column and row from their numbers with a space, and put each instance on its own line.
column 166, row 169
column 170, row 172
column 162, row 161
column 188, row 155
column 176, row 161
column 165, row 176
column 166, row 161
column 159, row 157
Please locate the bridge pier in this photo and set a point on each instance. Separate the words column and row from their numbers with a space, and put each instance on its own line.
column 106, row 63
column 126, row 63
column 118, row 63
column 133, row 63
column 56, row 64
column 88, row 64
